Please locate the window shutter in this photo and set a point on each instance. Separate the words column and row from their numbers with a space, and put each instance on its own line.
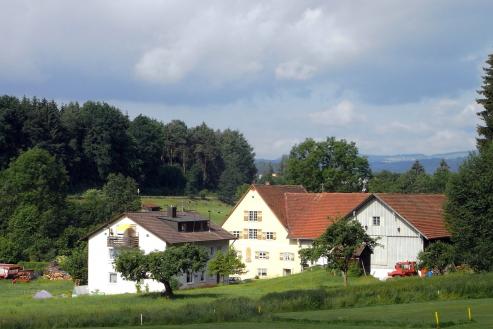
column 259, row 216
column 260, row 235
column 257, row 254
column 273, row 235
column 280, row 256
column 267, row 255
column 248, row 255
column 245, row 233
column 245, row 215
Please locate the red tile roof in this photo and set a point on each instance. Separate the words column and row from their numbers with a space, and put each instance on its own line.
column 309, row 214
column 423, row 211
column 273, row 195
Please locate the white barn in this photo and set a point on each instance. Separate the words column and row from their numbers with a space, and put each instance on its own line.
column 404, row 224
column 149, row 231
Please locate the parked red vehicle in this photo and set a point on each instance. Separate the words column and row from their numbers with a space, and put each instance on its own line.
column 404, row 269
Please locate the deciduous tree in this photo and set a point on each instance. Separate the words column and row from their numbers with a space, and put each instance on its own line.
column 331, row 165
column 338, row 245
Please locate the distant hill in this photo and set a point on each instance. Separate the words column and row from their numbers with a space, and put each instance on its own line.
column 396, row 163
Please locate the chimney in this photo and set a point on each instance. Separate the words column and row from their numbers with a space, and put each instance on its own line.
column 172, row 211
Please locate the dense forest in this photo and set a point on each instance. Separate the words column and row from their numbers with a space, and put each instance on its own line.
column 95, row 139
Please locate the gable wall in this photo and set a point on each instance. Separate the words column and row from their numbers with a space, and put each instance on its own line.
column 395, row 245
column 274, row 266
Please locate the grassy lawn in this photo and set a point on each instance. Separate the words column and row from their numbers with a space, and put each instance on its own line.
column 398, row 316
column 218, row 210
column 230, row 306
column 453, row 314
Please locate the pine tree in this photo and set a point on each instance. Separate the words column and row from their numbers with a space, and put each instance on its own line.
column 485, row 131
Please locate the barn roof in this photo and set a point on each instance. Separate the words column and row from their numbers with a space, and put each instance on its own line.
column 423, row 211
column 309, row 214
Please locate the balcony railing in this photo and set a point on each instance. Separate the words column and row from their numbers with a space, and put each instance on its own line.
column 123, row 241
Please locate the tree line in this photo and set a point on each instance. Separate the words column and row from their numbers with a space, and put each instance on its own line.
column 333, row 165
column 96, row 139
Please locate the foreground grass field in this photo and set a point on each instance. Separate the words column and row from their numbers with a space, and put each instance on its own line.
column 248, row 304
column 453, row 314
column 218, row 210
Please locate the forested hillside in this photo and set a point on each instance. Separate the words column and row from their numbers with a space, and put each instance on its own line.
column 95, row 139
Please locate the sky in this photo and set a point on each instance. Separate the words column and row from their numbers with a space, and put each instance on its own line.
column 393, row 76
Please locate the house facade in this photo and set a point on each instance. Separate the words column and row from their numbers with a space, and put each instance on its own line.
column 149, row 231
column 272, row 223
column 404, row 225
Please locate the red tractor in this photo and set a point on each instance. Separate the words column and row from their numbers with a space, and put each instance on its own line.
column 404, row 269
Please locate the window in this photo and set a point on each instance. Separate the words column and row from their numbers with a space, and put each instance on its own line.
column 189, row 277
column 262, row 272
column 236, row 234
column 262, row 255
column 252, row 216
column 113, row 253
column 252, row 233
column 202, row 276
column 376, row 220
column 269, row 235
column 112, row 277
column 286, row 256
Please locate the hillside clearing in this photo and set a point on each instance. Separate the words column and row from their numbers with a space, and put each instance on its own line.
column 218, row 209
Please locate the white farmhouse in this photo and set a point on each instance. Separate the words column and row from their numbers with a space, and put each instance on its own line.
column 149, row 231
column 404, row 224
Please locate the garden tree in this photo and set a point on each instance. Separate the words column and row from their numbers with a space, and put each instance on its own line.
column 32, row 202
column 76, row 264
column 121, row 194
column 469, row 210
column 132, row 264
column 164, row 265
column 338, row 244
column 239, row 164
column 148, row 138
column 176, row 144
column 225, row 264
column 437, row 256
column 331, row 165
column 485, row 131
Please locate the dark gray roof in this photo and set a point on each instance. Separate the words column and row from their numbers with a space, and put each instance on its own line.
column 166, row 230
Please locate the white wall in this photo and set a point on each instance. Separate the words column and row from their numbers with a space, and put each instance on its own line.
column 100, row 265
column 274, row 266
column 398, row 240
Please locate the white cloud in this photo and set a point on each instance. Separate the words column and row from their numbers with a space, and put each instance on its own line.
column 342, row 114
column 295, row 70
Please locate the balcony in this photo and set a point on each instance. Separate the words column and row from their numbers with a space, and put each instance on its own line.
column 123, row 241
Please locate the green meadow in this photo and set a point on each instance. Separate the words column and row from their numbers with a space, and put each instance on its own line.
column 313, row 299
column 212, row 206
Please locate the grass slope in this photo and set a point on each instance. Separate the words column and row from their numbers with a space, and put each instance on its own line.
column 260, row 300
column 218, row 210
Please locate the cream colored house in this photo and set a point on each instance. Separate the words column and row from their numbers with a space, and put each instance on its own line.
column 272, row 223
